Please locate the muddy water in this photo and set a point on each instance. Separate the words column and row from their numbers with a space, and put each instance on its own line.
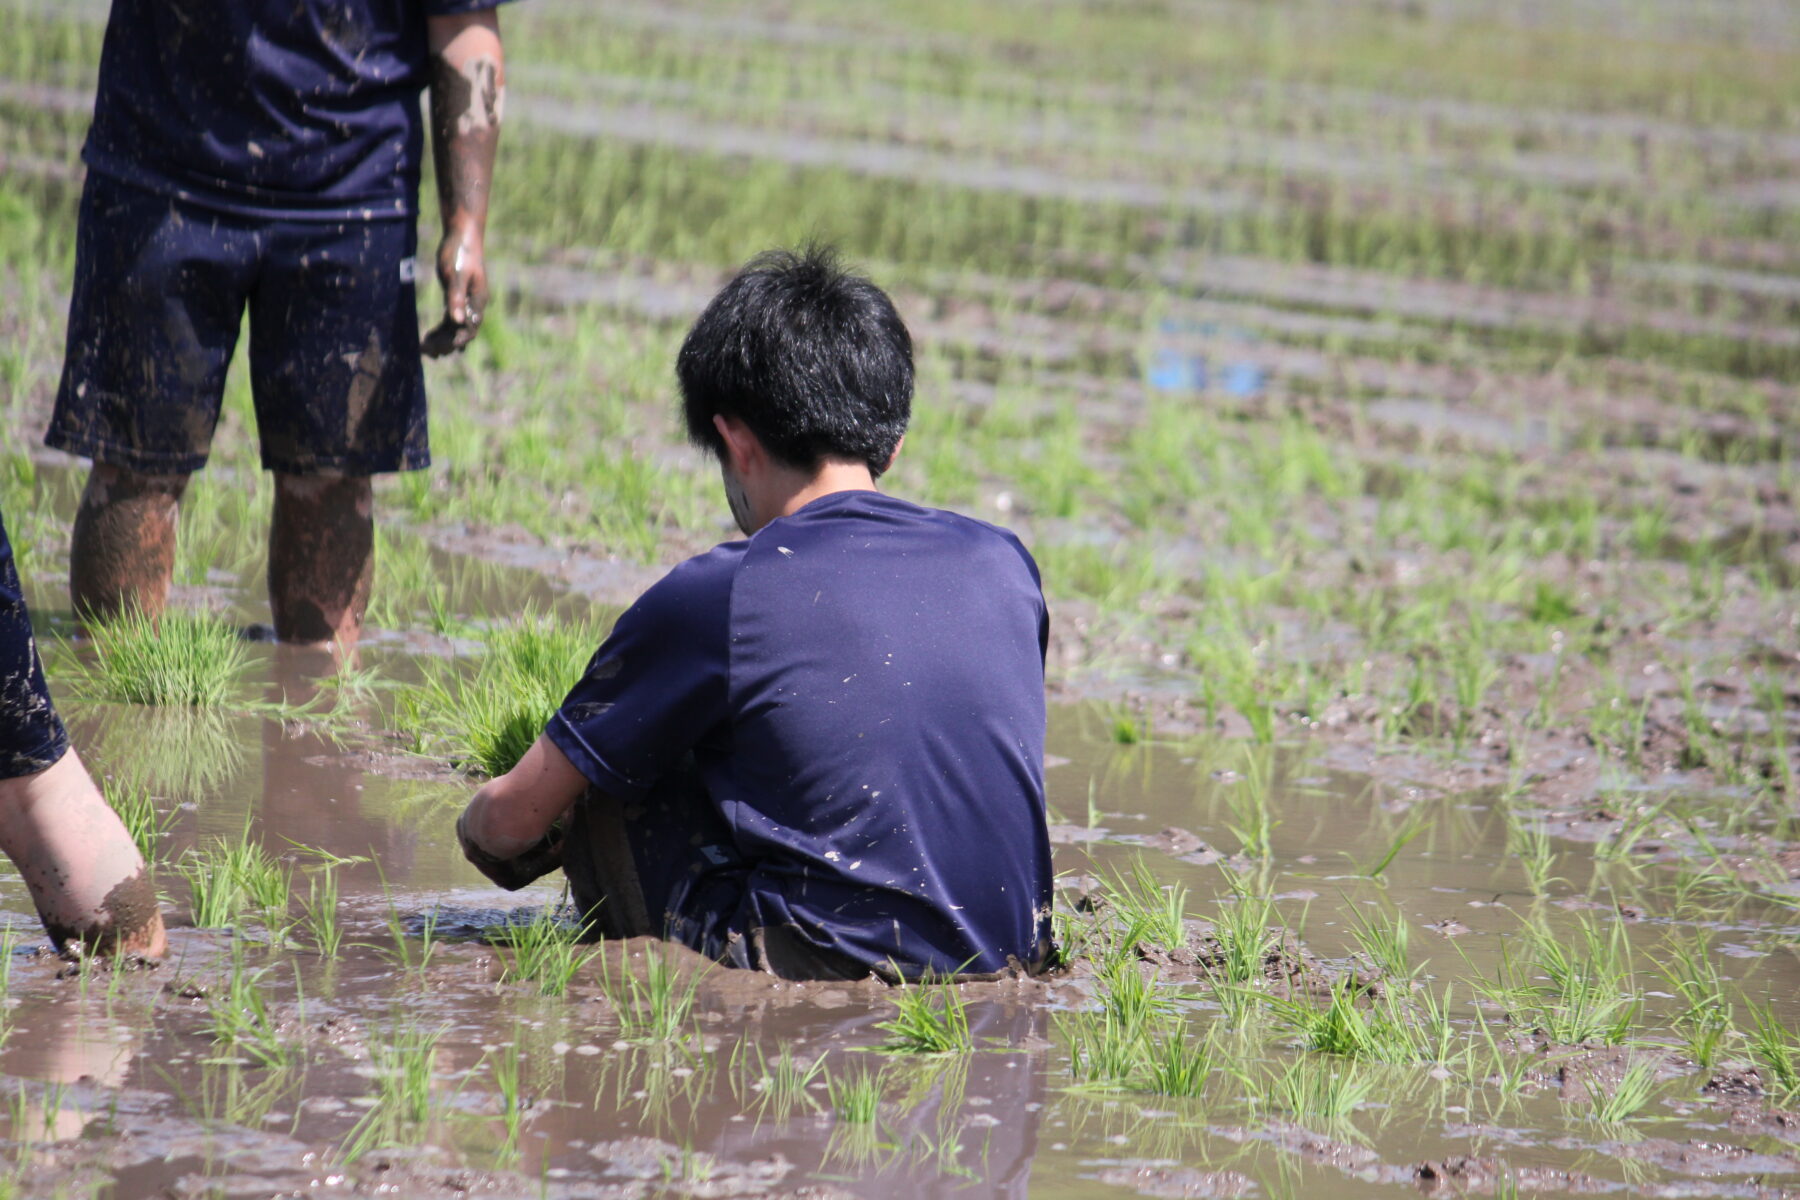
column 117, row 1078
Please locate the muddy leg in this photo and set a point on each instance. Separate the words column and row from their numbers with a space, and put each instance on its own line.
column 321, row 557
column 83, row 871
column 123, row 550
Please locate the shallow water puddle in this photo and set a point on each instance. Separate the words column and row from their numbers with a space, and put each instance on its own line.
column 240, row 1069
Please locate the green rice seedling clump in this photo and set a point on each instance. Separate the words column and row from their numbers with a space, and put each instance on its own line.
column 178, row 658
column 488, row 719
column 930, row 1017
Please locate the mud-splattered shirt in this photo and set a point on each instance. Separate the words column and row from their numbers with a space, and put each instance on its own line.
column 861, row 685
column 277, row 109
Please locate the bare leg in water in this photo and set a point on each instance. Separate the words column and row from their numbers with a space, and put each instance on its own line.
column 123, row 551
column 321, row 557
column 83, row 870
column 321, row 550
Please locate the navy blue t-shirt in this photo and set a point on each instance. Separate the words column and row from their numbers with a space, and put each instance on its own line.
column 279, row 109
column 861, row 686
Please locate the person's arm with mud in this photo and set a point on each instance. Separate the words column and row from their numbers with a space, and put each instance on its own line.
column 468, row 93
column 512, row 829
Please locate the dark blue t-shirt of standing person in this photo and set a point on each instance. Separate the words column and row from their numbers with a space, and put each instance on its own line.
column 860, row 687
column 275, row 109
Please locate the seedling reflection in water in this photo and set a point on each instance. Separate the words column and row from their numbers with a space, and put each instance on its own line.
column 404, row 1064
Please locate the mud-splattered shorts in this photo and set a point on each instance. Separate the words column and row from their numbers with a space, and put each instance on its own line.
column 160, row 292
column 665, row 866
column 31, row 736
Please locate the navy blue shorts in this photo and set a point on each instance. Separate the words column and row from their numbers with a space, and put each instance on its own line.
column 160, row 292
column 31, row 735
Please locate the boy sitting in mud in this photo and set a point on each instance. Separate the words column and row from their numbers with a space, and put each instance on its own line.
column 816, row 752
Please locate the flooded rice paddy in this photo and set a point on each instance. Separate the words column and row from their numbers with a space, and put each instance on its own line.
column 371, row 1030
column 1402, row 402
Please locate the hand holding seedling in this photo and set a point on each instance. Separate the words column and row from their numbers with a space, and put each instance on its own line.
column 468, row 90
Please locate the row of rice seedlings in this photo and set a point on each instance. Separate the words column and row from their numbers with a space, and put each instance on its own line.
column 488, row 719
column 177, row 658
column 544, row 950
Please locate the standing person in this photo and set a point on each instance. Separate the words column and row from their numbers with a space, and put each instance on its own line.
column 83, row 871
column 817, row 752
column 265, row 154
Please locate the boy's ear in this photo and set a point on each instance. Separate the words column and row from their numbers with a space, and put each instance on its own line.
column 894, row 455
column 742, row 447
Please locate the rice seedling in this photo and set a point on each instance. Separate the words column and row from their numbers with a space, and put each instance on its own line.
column 783, row 1086
column 488, row 719
column 1145, row 910
column 1532, row 845
column 319, row 913
column 1416, row 822
column 655, row 1005
column 1242, row 930
column 855, row 1096
column 929, row 1018
column 544, row 951
column 413, row 953
column 139, row 811
column 1111, row 1049
column 178, row 658
column 1629, row 1095
column 230, row 880
column 1251, row 821
column 1777, row 1053
column 1178, row 1064
column 1705, row 1020
column 1386, row 941
column 1589, row 995
column 506, row 1067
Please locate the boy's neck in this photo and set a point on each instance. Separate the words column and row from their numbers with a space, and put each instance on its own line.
column 835, row 475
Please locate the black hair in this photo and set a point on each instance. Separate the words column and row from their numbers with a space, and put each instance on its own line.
column 811, row 356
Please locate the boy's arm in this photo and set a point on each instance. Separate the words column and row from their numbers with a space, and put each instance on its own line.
column 510, row 829
column 468, row 92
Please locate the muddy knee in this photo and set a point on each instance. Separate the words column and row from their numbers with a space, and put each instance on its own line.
column 123, row 549
column 321, row 556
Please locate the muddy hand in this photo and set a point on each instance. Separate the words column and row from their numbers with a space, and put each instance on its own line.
column 514, row 873
column 462, row 269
